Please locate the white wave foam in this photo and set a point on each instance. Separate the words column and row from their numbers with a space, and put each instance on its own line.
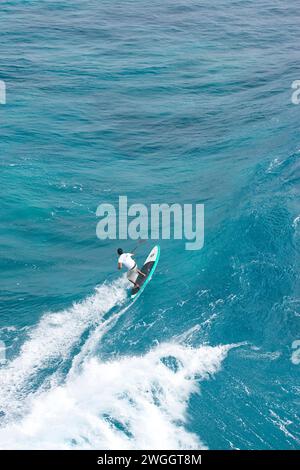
column 296, row 221
column 132, row 402
column 274, row 164
column 283, row 424
column 52, row 340
column 295, row 357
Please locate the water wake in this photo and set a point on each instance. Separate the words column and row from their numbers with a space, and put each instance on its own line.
column 50, row 344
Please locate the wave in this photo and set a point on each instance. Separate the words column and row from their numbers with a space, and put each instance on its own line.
column 50, row 344
column 137, row 402
column 57, row 394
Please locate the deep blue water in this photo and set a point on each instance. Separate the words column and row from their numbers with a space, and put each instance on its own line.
column 174, row 101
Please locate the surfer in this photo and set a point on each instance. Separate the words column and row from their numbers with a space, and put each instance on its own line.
column 129, row 263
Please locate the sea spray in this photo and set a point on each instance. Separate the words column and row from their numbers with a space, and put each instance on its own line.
column 130, row 402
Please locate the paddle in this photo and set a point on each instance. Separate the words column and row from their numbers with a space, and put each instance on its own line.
column 139, row 244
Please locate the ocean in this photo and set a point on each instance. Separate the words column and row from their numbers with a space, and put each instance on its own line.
column 178, row 101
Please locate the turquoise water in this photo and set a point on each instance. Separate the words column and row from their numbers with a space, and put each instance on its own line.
column 185, row 102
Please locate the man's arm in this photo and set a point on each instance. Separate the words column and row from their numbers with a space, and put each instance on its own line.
column 119, row 265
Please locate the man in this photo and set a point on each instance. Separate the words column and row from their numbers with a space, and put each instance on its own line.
column 125, row 259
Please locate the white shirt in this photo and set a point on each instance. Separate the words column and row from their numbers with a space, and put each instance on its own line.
column 126, row 260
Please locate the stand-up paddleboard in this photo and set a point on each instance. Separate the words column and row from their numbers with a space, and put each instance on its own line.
column 148, row 269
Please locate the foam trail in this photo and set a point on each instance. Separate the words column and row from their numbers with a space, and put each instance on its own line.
column 89, row 347
column 137, row 402
column 51, row 342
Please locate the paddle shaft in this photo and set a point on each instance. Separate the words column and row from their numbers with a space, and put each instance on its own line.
column 139, row 243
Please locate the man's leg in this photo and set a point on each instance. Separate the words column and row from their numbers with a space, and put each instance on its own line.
column 134, row 283
column 141, row 273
